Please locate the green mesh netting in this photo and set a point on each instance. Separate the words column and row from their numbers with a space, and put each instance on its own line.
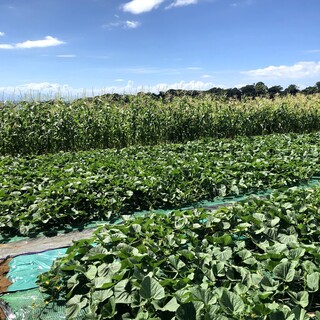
column 30, row 305
column 25, row 269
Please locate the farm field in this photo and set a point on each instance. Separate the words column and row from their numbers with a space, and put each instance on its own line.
column 66, row 164
column 38, row 127
column 256, row 260
column 40, row 193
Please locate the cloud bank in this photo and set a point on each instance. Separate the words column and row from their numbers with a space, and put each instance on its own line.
column 47, row 90
column 48, row 41
column 299, row 70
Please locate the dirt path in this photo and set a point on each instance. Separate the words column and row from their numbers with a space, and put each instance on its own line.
column 41, row 244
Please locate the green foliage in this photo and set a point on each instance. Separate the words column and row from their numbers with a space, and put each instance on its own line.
column 104, row 122
column 177, row 266
column 39, row 193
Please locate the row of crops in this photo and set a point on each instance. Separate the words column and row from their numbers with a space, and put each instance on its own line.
column 48, row 192
column 39, row 127
column 65, row 164
column 256, row 260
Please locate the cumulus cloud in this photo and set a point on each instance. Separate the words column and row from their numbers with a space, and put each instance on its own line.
column 2, row 34
column 181, row 3
column 48, row 41
column 301, row 69
column 141, row 6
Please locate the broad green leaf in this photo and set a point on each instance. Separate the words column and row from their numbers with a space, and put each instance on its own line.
column 289, row 240
column 176, row 262
column 284, row 271
column 74, row 306
column 122, row 292
column 109, row 309
column 301, row 298
column 296, row 253
column 313, row 281
column 151, row 289
column 211, row 312
column 91, row 273
column 231, row 303
column 186, row 311
column 300, row 314
column 269, row 284
column 203, row 295
column 102, row 282
column 101, row 295
column 171, row 305
column 222, row 255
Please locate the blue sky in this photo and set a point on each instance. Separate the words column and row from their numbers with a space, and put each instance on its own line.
column 98, row 46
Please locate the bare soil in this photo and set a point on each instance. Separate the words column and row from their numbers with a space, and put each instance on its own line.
column 4, row 281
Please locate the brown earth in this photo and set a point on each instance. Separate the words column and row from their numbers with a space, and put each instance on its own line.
column 4, row 282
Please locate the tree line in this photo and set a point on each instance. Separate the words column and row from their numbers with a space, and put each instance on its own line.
column 258, row 89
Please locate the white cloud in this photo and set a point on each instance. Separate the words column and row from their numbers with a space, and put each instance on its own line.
column 191, row 85
column 140, row 6
column 48, row 41
column 2, row 34
column 181, row 3
column 123, row 24
column 6, row 46
column 43, row 86
column 65, row 55
column 43, row 90
column 132, row 24
column 47, row 90
column 206, row 76
column 301, row 69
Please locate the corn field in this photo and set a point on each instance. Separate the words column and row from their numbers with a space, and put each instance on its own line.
column 40, row 127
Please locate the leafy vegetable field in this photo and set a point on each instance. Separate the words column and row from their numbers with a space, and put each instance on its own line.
column 256, row 260
column 43, row 193
column 104, row 122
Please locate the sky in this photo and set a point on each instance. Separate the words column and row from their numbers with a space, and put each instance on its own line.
column 91, row 47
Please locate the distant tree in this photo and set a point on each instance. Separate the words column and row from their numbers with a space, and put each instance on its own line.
column 292, row 89
column 261, row 89
column 318, row 86
column 234, row 93
column 219, row 92
column 248, row 91
column 275, row 90
column 309, row 90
